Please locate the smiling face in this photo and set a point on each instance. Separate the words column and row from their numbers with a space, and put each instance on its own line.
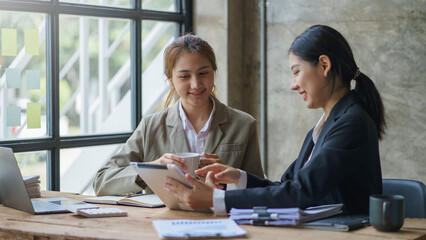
column 310, row 81
column 193, row 79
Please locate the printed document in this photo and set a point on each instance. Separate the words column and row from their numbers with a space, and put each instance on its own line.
column 205, row 228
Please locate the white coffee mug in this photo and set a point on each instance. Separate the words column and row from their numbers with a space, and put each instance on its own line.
column 192, row 162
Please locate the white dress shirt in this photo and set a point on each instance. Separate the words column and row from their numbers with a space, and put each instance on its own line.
column 196, row 141
column 219, row 207
column 315, row 135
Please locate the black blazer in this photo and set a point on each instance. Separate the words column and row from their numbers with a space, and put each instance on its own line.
column 344, row 167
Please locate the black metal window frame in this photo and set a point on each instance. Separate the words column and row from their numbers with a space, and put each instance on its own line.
column 54, row 8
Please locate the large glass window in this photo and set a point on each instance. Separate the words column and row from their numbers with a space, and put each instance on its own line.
column 160, row 5
column 83, row 162
column 23, row 75
column 109, row 3
column 76, row 78
column 95, row 72
column 156, row 35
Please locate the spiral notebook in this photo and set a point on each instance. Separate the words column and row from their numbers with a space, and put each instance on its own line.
column 205, row 228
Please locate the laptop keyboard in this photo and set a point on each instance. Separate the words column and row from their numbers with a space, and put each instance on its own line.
column 41, row 207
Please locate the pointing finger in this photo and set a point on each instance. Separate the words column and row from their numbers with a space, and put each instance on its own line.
column 214, row 167
column 209, row 161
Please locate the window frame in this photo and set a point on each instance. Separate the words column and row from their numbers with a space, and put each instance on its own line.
column 53, row 9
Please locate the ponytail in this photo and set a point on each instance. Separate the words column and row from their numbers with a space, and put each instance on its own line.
column 170, row 97
column 372, row 101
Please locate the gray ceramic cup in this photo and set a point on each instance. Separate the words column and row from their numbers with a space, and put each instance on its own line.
column 387, row 212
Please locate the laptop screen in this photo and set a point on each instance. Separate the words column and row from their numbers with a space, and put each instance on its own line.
column 12, row 188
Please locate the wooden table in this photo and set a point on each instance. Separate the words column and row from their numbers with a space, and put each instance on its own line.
column 15, row 224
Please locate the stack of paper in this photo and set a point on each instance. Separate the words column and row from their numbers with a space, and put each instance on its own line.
column 32, row 183
column 283, row 216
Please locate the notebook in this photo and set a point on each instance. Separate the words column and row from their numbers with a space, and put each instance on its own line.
column 342, row 222
column 147, row 200
column 13, row 192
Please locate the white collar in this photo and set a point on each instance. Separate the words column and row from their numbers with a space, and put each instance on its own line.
column 185, row 121
column 318, row 128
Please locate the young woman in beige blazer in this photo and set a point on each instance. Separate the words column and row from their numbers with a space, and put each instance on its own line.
column 198, row 120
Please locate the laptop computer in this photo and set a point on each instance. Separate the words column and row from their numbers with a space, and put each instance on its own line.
column 14, row 194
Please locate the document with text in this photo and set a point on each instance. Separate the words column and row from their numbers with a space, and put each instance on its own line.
column 205, row 228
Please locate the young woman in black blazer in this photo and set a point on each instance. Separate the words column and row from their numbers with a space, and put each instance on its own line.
column 339, row 161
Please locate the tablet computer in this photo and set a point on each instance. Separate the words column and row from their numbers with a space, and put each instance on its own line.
column 154, row 175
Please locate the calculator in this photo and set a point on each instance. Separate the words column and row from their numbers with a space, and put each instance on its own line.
column 102, row 212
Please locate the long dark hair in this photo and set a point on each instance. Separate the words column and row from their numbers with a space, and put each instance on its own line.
column 323, row 40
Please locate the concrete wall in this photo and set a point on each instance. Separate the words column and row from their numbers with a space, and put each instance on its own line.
column 223, row 23
column 387, row 38
column 211, row 23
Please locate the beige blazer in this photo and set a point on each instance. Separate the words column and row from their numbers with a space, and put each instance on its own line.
column 232, row 137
